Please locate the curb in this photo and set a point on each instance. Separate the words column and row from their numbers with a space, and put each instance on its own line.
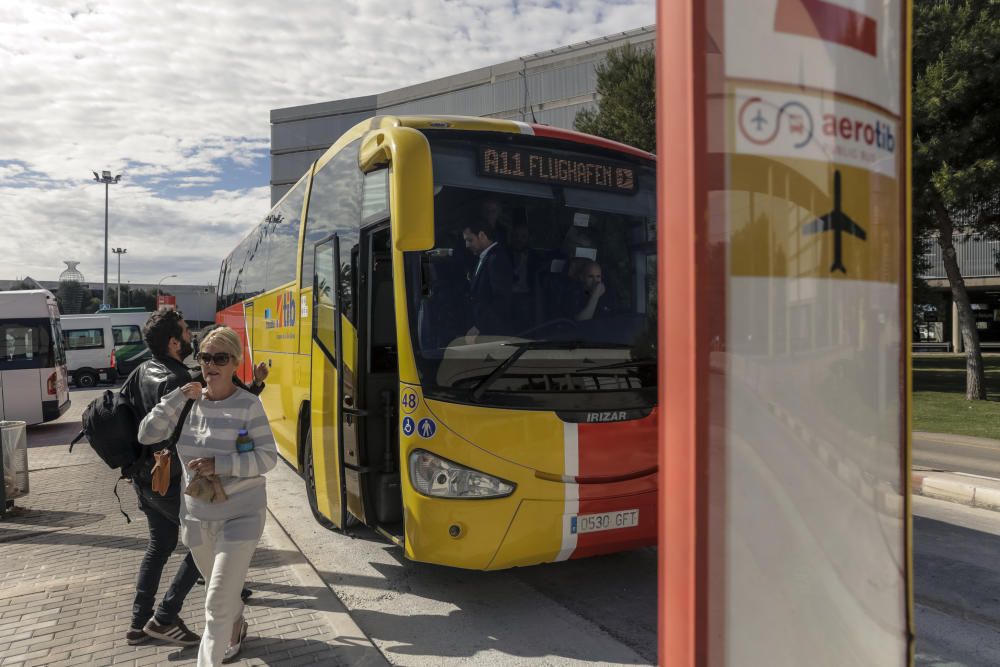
column 962, row 488
column 361, row 649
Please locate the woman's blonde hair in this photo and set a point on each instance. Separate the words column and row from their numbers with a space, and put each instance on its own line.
column 227, row 339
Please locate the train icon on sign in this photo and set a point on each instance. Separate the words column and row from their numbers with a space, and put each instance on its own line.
column 762, row 122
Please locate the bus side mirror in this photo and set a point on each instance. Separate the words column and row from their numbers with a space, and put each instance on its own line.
column 411, row 184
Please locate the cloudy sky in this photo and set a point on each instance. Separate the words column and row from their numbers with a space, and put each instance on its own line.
column 176, row 97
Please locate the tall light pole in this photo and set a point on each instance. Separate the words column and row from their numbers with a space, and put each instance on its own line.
column 105, row 178
column 172, row 275
column 119, row 252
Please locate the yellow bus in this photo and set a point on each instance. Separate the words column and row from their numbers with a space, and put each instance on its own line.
column 484, row 411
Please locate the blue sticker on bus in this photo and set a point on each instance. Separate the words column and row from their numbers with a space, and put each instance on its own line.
column 427, row 428
column 408, row 400
column 408, row 426
column 572, row 526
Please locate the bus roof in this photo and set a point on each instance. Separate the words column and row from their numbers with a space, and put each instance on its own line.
column 26, row 303
column 475, row 123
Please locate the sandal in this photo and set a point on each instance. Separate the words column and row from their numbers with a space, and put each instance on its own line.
column 233, row 650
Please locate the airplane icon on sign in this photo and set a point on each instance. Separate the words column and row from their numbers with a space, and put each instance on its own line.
column 759, row 120
column 837, row 221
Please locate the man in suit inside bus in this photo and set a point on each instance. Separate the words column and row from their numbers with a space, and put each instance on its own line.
column 490, row 282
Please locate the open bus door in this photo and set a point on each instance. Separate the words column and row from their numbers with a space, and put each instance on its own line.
column 332, row 469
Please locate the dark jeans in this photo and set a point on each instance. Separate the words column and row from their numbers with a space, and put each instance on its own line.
column 164, row 527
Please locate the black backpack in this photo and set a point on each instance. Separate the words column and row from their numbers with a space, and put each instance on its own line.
column 109, row 423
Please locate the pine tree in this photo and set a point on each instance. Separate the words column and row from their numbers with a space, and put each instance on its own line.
column 626, row 104
column 956, row 145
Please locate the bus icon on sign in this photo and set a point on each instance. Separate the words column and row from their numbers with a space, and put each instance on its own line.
column 408, row 426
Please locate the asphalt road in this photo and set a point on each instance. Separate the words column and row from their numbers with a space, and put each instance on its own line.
column 978, row 456
column 956, row 556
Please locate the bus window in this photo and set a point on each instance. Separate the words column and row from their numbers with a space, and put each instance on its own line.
column 126, row 334
column 282, row 226
column 334, row 206
column 579, row 322
column 26, row 344
column 84, row 339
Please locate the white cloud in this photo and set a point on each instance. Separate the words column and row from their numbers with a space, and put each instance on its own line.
column 174, row 94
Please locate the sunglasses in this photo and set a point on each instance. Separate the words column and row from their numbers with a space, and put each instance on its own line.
column 219, row 358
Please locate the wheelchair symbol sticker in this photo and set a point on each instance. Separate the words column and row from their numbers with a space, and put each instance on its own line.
column 408, row 426
column 427, row 428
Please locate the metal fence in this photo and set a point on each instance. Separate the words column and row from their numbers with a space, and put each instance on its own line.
column 977, row 258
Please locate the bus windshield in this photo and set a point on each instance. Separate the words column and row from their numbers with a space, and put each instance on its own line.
column 553, row 305
column 28, row 343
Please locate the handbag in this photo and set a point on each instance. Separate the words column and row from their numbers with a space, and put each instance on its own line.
column 161, row 469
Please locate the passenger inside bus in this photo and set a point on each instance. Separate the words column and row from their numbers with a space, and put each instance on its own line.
column 490, row 282
column 587, row 296
column 559, row 258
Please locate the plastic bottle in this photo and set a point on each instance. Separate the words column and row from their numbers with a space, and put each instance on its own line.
column 244, row 443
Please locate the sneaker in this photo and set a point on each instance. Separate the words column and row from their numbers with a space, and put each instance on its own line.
column 176, row 633
column 233, row 650
column 136, row 636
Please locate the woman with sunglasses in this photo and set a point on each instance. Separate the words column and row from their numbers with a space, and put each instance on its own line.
column 221, row 526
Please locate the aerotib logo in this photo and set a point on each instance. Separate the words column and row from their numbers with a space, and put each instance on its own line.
column 814, row 127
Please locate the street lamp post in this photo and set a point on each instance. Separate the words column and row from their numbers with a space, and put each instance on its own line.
column 172, row 275
column 107, row 179
column 119, row 252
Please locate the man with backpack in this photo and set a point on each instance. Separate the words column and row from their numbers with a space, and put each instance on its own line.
column 168, row 338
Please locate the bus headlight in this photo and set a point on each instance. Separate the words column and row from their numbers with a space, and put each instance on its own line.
column 434, row 476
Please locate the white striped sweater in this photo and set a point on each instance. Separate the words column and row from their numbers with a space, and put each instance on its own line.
column 210, row 430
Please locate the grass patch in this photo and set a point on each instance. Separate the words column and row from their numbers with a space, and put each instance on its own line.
column 939, row 404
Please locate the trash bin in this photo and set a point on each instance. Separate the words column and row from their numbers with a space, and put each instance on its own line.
column 14, row 462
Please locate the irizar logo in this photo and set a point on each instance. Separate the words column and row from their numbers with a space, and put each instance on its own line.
column 613, row 416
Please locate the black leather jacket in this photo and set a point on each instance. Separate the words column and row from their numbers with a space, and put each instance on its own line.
column 144, row 388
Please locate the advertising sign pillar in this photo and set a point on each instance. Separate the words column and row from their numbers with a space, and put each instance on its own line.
column 783, row 140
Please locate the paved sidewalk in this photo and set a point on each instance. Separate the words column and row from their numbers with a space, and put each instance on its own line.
column 68, row 563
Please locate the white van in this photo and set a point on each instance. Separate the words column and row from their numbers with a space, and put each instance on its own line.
column 90, row 349
column 33, row 381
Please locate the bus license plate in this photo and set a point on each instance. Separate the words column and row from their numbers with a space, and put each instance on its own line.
column 593, row 523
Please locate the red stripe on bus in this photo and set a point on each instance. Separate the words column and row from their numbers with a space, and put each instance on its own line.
column 618, row 449
column 233, row 318
column 581, row 138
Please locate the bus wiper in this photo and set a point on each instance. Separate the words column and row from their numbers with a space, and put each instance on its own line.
column 522, row 347
column 633, row 363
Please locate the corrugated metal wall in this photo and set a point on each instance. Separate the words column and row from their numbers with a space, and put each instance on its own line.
column 549, row 88
column 976, row 258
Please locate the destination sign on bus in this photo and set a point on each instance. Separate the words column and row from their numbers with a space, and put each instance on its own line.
column 525, row 164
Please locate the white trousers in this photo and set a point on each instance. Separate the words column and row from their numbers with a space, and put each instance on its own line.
column 224, row 563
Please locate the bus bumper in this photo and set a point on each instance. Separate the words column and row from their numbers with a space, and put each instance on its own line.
column 537, row 520
column 52, row 410
column 512, row 532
